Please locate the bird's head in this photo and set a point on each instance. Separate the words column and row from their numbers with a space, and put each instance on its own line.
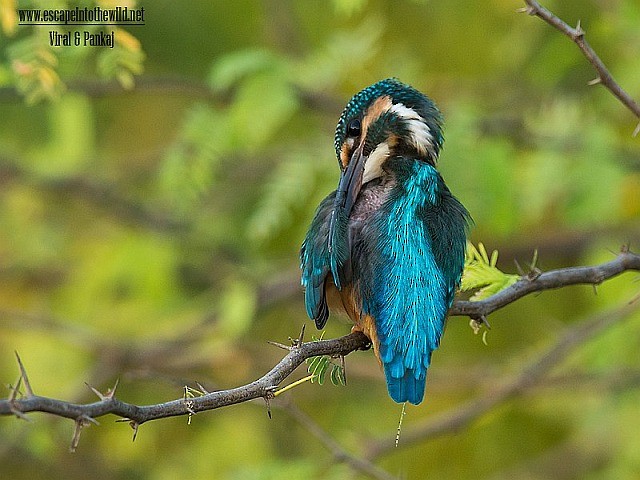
column 384, row 120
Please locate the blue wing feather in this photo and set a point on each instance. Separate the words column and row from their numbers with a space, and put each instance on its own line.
column 315, row 261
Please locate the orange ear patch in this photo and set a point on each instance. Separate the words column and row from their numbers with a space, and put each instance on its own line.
column 345, row 153
column 377, row 108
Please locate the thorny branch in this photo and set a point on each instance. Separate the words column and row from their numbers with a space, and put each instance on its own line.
column 458, row 418
column 264, row 387
column 577, row 35
column 109, row 404
column 339, row 453
column 537, row 282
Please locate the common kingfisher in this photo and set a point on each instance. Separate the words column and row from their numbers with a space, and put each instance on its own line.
column 387, row 247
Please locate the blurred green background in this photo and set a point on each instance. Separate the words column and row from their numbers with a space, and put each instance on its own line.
column 151, row 234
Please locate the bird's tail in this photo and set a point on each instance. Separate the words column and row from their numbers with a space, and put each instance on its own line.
column 404, row 384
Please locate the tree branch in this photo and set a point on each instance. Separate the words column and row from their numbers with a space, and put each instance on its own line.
column 537, row 282
column 339, row 453
column 577, row 35
column 109, row 404
column 458, row 418
column 175, row 85
column 265, row 386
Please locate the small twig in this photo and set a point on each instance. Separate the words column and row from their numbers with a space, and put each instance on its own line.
column 138, row 415
column 577, row 35
column 339, row 453
column 530, row 376
column 279, row 345
column 563, row 277
column 293, row 384
column 24, row 377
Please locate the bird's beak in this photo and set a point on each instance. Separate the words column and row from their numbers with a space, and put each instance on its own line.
column 346, row 194
column 351, row 181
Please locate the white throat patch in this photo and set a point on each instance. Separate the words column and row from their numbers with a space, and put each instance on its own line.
column 373, row 165
column 419, row 130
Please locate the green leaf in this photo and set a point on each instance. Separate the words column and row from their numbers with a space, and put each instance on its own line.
column 323, row 371
column 337, row 375
column 480, row 272
column 190, row 165
column 263, row 103
column 232, row 68
column 286, row 187
column 237, row 308
column 313, row 364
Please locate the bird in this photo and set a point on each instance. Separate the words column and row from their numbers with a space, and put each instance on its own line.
column 387, row 247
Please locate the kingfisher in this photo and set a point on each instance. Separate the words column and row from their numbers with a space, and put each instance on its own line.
column 387, row 247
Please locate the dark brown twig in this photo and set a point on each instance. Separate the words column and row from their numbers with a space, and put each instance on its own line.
column 458, row 418
column 563, row 277
column 339, row 453
column 141, row 414
column 577, row 35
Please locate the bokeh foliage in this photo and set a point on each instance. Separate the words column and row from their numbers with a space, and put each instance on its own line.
column 151, row 233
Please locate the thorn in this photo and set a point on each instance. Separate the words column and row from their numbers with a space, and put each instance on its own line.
column 301, row 337
column 15, row 390
column 595, row 289
column 202, row 389
column 19, row 414
column 135, row 425
column 534, row 260
column 12, row 400
column 534, row 274
column 76, row 437
column 344, row 369
column 518, row 267
column 267, row 401
column 111, row 393
column 25, row 379
column 528, row 10
column 578, row 32
column 81, row 422
column 96, row 391
column 279, row 345
column 190, row 416
column 188, row 403
column 636, row 131
column 595, row 81
column 475, row 326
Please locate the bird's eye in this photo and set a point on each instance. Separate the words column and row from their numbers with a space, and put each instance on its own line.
column 353, row 128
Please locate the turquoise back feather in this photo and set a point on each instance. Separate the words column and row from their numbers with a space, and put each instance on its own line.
column 409, row 264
